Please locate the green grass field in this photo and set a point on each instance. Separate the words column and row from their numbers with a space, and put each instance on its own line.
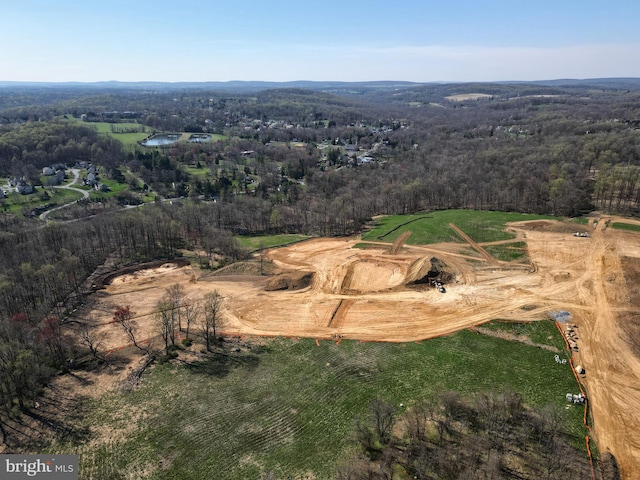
column 193, row 171
column 626, row 226
column 538, row 332
column 433, row 227
column 132, row 139
column 114, row 189
column 290, row 407
column 508, row 252
column 16, row 203
column 259, row 242
column 216, row 137
column 106, row 127
column 129, row 139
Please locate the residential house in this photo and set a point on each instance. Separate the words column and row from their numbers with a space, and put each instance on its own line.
column 23, row 188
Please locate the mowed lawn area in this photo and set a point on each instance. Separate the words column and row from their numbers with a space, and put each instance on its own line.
column 16, row 203
column 433, row 227
column 253, row 242
column 288, row 407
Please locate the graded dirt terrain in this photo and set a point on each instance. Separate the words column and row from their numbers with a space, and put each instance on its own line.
column 369, row 294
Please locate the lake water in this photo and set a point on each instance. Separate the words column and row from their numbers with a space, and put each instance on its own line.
column 162, row 139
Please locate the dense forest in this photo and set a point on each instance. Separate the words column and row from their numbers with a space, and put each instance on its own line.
column 529, row 148
column 295, row 160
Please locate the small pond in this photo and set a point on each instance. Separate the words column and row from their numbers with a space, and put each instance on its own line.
column 162, row 139
column 199, row 138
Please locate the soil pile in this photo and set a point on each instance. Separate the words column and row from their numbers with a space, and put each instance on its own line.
column 105, row 279
column 289, row 281
column 436, row 272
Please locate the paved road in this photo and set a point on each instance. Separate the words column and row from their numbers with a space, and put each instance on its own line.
column 68, row 186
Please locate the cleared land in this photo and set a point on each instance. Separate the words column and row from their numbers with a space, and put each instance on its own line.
column 369, row 294
column 461, row 97
column 288, row 407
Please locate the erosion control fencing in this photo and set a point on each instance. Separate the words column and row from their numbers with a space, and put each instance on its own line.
column 563, row 317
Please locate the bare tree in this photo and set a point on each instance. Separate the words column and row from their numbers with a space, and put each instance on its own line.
column 91, row 340
column 177, row 294
column 51, row 333
column 165, row 318
column 123, row 316
column 417, row 420
column 212, row 318
column 191, row 315
column 383, row 419
column 365, row 436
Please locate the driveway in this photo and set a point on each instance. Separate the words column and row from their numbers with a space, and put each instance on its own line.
column 68, row 186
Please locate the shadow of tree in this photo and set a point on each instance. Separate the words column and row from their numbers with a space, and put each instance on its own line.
column 221, row 364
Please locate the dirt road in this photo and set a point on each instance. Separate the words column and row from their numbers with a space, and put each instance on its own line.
column 589, row 273
column 368, row 294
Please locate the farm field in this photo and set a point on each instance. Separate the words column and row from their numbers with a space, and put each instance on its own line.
column 130, row 134
column 468, row 96
column 370, row 294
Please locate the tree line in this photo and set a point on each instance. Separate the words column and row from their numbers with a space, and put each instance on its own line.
column 26, row 148
column 530, row 148
column 44, row 270
column 489, row 436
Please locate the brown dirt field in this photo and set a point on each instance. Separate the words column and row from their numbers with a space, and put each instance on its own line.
column 364, row 294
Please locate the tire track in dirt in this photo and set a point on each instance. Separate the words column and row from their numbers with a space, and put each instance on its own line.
column 397, row 245
column 346, row 281
column 486, row 255
column 339, row 314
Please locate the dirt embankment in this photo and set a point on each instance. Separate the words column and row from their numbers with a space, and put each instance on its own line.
column 105, row 279
column 289, row 281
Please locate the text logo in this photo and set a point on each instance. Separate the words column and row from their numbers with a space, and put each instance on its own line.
column 49, row 467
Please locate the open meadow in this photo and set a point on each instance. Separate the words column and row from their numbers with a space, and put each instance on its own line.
column 289, row 406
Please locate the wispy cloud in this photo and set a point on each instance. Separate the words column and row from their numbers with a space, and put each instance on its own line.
column 254, row 60
column 468, row 63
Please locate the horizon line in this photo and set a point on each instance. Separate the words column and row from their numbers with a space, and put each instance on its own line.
column 167, row 82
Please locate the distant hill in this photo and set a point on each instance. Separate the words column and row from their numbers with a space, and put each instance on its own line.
column 327, row 86
column 237, row 86
column 609, row 83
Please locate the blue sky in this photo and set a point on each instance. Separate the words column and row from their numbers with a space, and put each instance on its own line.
column 348, row 40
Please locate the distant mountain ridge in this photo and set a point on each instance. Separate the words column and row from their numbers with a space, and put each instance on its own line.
column 631, row 83
column 238, row 85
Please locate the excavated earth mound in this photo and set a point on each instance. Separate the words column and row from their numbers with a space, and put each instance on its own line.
column 437, row 271
column 289, row 281
column 107, row 278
